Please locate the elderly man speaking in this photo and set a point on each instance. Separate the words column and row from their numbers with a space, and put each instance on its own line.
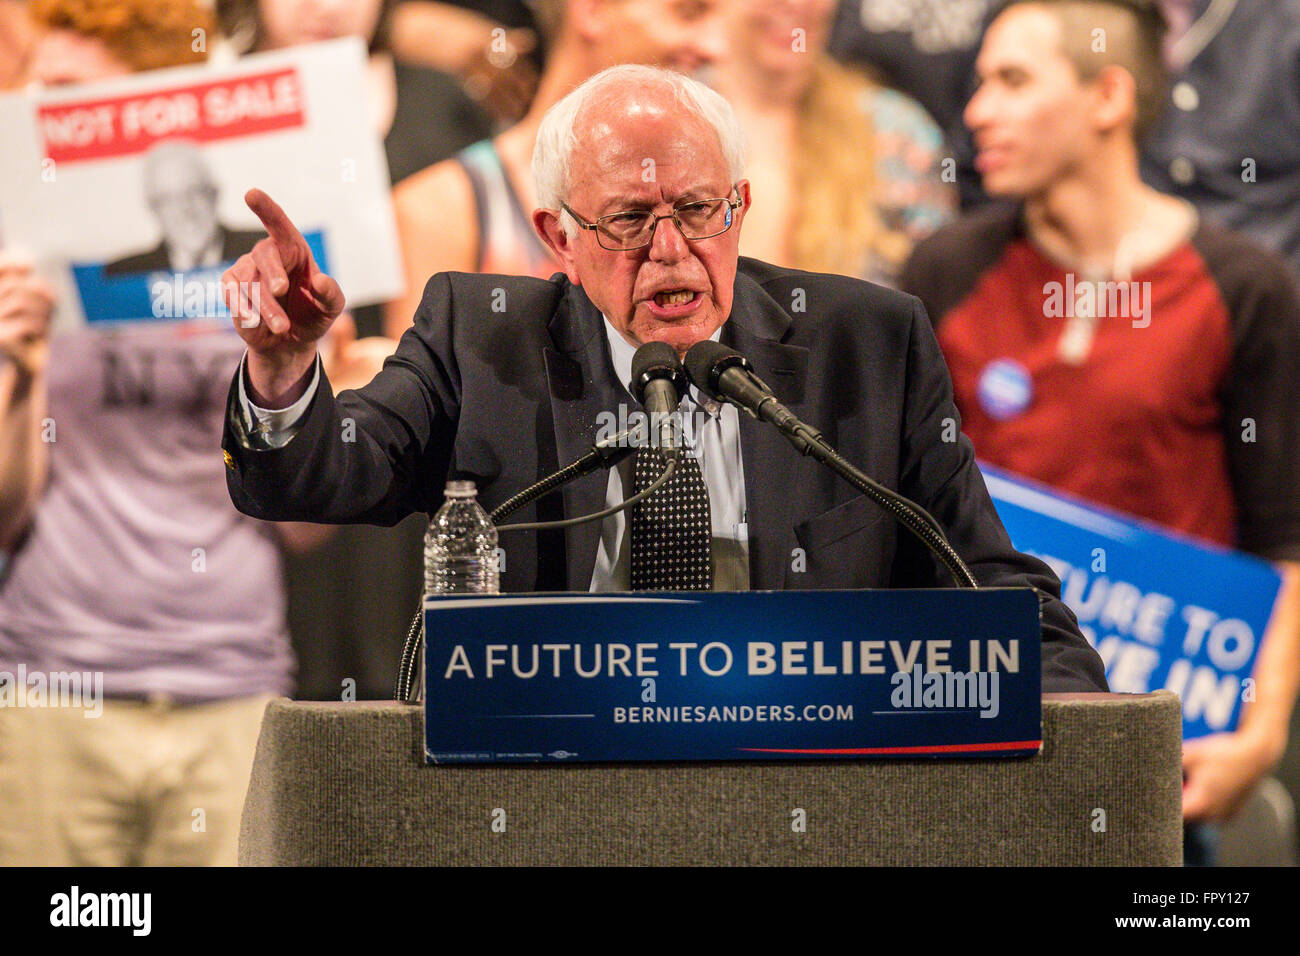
column 504, row 379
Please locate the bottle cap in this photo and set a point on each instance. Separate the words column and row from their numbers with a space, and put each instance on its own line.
column 460, row 489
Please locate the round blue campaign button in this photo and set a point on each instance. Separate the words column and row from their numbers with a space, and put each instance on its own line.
column 1005, row 389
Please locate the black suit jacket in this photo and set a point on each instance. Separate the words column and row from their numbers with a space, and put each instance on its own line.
column 234, row 243
column 501, row 380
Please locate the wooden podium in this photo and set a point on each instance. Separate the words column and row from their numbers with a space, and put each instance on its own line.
column 345, row 784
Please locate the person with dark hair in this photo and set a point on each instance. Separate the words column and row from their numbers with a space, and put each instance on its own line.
column 422, row 115
column 1174, row 402
column 491, row 46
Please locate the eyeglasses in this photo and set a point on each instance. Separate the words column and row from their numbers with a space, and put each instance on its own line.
column 624, row 231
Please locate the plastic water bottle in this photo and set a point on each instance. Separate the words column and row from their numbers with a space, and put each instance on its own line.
column 460, row 547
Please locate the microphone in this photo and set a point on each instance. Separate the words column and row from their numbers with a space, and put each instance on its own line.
column 725, row 375
column 658, row 383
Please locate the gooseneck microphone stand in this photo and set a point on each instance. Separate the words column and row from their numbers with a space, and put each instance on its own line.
column 725, row 375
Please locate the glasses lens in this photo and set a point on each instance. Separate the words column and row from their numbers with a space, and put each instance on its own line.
column 631, row 230
column 625, row 230
column 700, row 220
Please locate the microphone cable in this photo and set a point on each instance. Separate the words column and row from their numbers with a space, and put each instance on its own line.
column 641, row 495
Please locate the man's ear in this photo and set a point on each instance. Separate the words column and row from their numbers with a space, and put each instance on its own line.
column 1116, row 100
column 547, row 224
column 742, row 189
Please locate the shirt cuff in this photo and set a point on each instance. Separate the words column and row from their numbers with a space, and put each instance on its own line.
column 275, row 427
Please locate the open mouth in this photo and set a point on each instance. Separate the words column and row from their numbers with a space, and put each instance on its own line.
column 673, row 297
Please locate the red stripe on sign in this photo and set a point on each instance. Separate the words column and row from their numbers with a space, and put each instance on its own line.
column 935, row 749
column 204, row 112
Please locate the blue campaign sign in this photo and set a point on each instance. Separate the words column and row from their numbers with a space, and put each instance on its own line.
column 162, row 295
column 758, row 675
column 1163, row 611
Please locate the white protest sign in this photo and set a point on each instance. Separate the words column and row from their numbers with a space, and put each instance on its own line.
column 129, row 193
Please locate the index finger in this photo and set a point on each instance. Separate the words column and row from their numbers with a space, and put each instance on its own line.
column 278, row 226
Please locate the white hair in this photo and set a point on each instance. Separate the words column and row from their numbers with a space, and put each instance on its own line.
column 175, row 153
column 557, row 135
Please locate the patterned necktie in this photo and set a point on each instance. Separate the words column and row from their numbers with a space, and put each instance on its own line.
column 671, row 530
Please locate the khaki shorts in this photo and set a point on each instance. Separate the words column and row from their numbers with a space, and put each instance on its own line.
column 143, row 783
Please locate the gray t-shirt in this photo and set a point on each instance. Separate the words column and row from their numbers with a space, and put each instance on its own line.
column 137, row 564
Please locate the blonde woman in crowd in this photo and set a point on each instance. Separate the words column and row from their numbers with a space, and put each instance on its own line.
column 851, row 173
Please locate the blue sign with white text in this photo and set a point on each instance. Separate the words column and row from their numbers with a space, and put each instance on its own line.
column 756, row 675
column 1163, row 611
column 163, row 294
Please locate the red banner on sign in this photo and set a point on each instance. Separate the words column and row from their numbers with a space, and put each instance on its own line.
column 122, row 126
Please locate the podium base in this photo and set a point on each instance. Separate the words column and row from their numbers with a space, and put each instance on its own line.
column 345, row 784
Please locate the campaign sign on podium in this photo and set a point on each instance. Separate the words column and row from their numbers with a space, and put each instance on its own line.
column 757, row 675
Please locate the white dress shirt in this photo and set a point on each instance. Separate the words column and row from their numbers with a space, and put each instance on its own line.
column 711, row 431
column 275, row 426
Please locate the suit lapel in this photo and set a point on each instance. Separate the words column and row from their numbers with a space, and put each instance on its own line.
column 582, row 386
column 772, row 467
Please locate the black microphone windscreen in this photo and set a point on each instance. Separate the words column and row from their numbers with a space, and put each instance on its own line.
column 656, row 360
column 706, row 358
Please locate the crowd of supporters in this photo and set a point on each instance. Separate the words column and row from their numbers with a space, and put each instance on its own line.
column 969, row 152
